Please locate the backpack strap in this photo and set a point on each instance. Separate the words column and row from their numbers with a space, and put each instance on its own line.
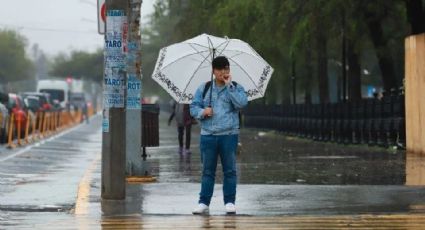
column 208, row 85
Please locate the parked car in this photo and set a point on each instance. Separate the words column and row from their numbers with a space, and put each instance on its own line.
column 44, row 98
column 33, row 104
column 4, row 117
column 17, row 107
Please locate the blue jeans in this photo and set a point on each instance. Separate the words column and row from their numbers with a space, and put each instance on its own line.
column 212, row 147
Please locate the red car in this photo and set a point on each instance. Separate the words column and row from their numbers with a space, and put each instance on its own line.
column 16, row 106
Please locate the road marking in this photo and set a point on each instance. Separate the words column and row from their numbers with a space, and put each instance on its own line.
column 82, row 203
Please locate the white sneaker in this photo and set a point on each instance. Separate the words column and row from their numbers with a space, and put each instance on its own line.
column 230, row 208
column 201, row 209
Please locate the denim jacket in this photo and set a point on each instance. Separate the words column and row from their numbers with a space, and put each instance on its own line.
column 226, row 103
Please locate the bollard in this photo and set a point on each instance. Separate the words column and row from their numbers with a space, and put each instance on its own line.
column 72, row 118
column 40, row 125
column 18, row 119
column 45, row 124
column 10, row 143
column 48, row 124
column 58, row 114
column 58, row 126
column 34, row 127
column 90, row 111
column 61, row 121
column 52, row 122
column 55, row 120
column 43, row 130
column 80, row 117
column 67, row 119
column 27, row 127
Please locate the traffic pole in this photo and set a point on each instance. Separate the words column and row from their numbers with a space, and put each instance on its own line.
column 114, row 94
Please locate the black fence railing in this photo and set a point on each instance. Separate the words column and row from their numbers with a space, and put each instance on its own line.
column 378, row 122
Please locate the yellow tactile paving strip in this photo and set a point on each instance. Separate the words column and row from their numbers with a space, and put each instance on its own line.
column 257, row 222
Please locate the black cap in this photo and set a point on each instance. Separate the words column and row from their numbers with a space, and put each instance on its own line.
column 220, row 62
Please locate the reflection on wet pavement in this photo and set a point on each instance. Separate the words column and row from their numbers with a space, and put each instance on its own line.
column 279, row 177
column 272, row 158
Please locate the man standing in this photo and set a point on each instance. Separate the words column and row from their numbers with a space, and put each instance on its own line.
column 216, row 105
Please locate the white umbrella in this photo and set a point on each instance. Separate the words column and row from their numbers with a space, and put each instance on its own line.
column 182, row 67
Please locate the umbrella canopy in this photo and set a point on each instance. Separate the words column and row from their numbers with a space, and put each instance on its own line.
column 182, row 67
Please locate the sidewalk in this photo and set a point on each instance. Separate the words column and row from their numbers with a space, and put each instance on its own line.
column 283, row 183
column 294, row 182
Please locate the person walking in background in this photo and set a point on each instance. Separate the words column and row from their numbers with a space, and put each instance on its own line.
column 184, row 124
column 85, row 111
column 218, row 114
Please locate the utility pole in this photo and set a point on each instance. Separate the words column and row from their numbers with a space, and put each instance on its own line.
column 114, row 95
column 135, row 165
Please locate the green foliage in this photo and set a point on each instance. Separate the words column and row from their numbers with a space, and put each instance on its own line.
column 79, row 64
column 285, row 30
column 14, row 64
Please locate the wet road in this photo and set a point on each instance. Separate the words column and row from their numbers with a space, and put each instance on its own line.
column 281, row 180
column 44, row 177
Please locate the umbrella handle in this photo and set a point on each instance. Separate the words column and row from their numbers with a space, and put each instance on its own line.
column 212, row 72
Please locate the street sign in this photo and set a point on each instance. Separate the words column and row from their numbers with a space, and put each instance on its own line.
column 101, row 16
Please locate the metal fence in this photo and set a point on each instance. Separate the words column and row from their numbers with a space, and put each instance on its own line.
column 378, row 122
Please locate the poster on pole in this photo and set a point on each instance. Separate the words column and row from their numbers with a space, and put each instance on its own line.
column 105, row 121
column 114, row 81
column 134, row 87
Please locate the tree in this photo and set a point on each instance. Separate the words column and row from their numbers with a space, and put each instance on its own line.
column 14, row 64
column 383, row 29
column 416, row 15
column 79, row 64
column 310, row 30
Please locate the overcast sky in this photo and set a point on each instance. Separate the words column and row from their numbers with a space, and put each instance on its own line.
column 57, row 25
